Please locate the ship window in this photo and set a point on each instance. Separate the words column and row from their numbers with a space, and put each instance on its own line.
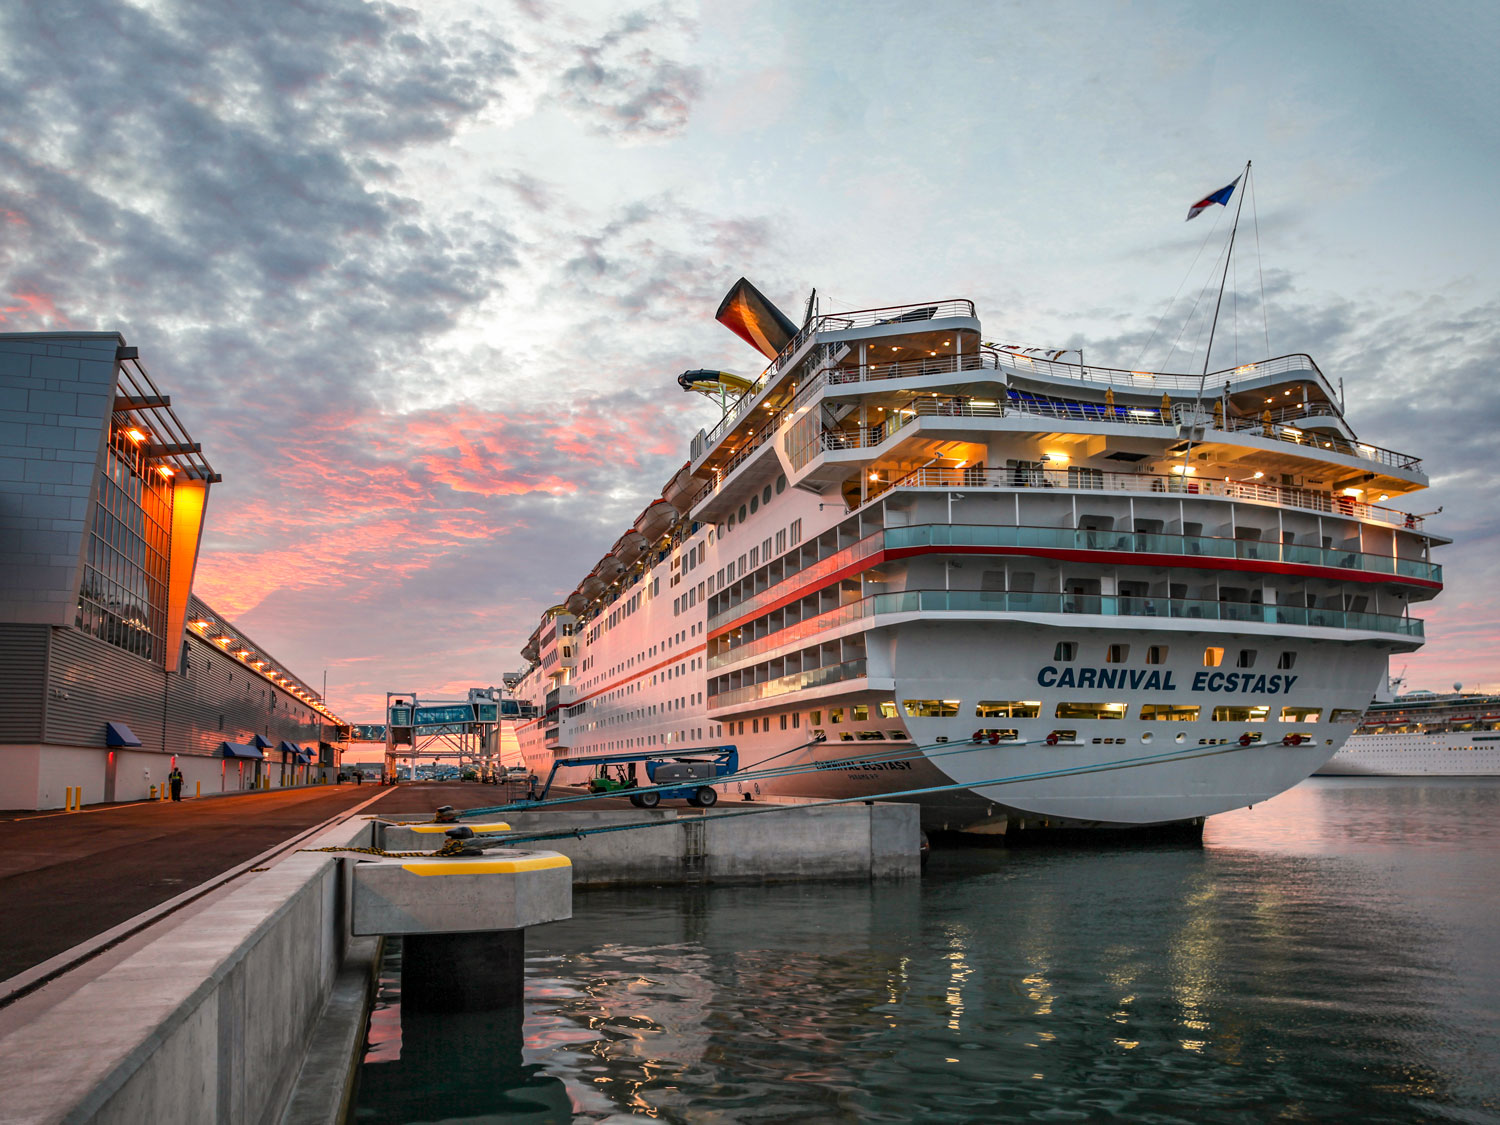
column 742, row 513
column 765, row 495
column 846, row 736
column 835, row 715
column 796, row 719
column 1287, row 660
column 820, row 735
column 1246, row 658
column 731, row 521
column 931, row 708
column 1169, row 712
column 899, row 735
column 1008, row 708
column 1117, row 654
column 814, row 718
column 1345, row 715
column 1301, row 714
column 1240, row 714
column 1065, row 651
column 1070, row 710
column 869, row 735
column 754, row 504
column 796, row 532
column 783, row 722
column 1213, row 657
column 780, row 484
column 859, row 713
column 888, row 709
column 1156, row 654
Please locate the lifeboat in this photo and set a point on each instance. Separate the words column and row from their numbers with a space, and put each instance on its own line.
column 591, row 587
column 531, row 653
column 655, row 520
column 632, row 545
column 576, row 603
column 608, row 570
column 680, row 489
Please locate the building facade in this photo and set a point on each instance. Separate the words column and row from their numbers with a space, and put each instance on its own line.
column 111, row 671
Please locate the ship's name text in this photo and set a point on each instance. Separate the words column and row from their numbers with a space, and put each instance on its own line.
column 1160, row 679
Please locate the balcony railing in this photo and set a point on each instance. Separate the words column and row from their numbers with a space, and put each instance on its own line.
column 991, row 535
column 810, row 573
column 787, row 685
column 1096, row 480
column 1158, row 380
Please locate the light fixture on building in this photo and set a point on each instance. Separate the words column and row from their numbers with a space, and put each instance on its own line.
column 165, row 470
column 136, row 435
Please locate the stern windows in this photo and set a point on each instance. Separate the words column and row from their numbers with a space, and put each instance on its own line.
column 1156, row 654
column 1065, row 651
column 1287, row 661
column 1213, row 657
column 1169, row 712
column 859, row 713
column 888, row 709
column 1117, row 654
column 1246, row 658
column 1301, row 714
column 931, row 708
column 1240, row 714
column 1008, row 709
column 1090, row 711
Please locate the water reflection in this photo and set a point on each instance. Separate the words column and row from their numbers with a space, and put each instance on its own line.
column 1325, row 954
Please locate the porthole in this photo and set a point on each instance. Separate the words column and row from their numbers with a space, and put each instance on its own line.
column 731, row 521
column 1146, row 738
column 1181, row 737
column 754, row 503
column 742, row 513
column 780, row 484
column 765, row 495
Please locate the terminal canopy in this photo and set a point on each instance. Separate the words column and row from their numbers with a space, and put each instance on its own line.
column 118, row 734
column 240, row 750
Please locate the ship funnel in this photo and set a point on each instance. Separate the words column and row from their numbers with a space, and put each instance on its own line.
column 746, row 312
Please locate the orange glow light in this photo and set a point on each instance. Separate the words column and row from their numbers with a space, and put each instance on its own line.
column 135, row 435
column 165, row 470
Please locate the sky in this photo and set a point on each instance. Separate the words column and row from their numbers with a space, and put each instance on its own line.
column 420, row 278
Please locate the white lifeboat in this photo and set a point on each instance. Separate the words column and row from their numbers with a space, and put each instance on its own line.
column 576, row 603
column 608, row 570
column 657, row 517
column 632, row 545
column 591, row 587
column 680, row 489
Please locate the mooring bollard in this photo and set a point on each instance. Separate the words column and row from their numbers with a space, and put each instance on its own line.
column 462, row 921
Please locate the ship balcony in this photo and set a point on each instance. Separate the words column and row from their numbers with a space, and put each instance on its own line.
column 1083, row 479
column 927, row 427
column 1239, row 381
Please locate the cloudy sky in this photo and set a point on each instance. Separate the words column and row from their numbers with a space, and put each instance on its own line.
column 420, row 277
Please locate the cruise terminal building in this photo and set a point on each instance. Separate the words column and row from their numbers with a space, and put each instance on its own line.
column 110, row 668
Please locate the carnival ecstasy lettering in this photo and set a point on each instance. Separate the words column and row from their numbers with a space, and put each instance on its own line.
column 1158, row 679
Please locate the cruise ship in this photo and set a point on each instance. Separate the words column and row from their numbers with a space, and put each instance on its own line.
column 1424, row 734
column 1016, row 589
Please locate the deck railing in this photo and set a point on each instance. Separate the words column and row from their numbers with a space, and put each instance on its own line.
column 1097, row 480
column 1158, row 380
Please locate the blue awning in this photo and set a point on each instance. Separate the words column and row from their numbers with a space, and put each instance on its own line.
column 261, row 743
column 289, row 748
column 306, row 756
column 240, row 750
column 118, row 734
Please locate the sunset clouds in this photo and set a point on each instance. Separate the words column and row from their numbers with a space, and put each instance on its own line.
column 420, row 278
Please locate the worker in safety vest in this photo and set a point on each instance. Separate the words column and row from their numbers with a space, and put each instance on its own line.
column 174, row 779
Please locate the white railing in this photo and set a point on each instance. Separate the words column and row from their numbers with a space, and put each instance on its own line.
column 1095, row 480
column 1158, row 380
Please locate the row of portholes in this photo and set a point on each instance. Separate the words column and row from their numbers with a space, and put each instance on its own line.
column 747, row 510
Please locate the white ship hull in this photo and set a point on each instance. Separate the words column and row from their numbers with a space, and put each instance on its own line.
column 1416, row 755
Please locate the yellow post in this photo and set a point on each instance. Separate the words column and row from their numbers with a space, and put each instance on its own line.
column 153, row 792
column 198, row 789
column 68, row 799
column 78, row 798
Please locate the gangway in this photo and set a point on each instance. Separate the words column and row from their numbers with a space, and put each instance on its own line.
column 690, row 767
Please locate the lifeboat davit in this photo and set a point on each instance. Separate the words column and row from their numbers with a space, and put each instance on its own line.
column 655, row 520
column 632, row 545
column 680, row 489
column 576, row 603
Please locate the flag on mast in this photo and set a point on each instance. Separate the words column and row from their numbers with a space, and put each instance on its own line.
column 1221, row 196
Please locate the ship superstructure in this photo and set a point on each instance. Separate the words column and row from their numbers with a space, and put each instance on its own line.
column 1424, row 734
column 907, row 559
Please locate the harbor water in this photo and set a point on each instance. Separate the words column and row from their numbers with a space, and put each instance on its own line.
column 1330, row 954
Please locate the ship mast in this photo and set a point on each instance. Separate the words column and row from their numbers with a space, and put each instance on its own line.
column 1209, row 351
